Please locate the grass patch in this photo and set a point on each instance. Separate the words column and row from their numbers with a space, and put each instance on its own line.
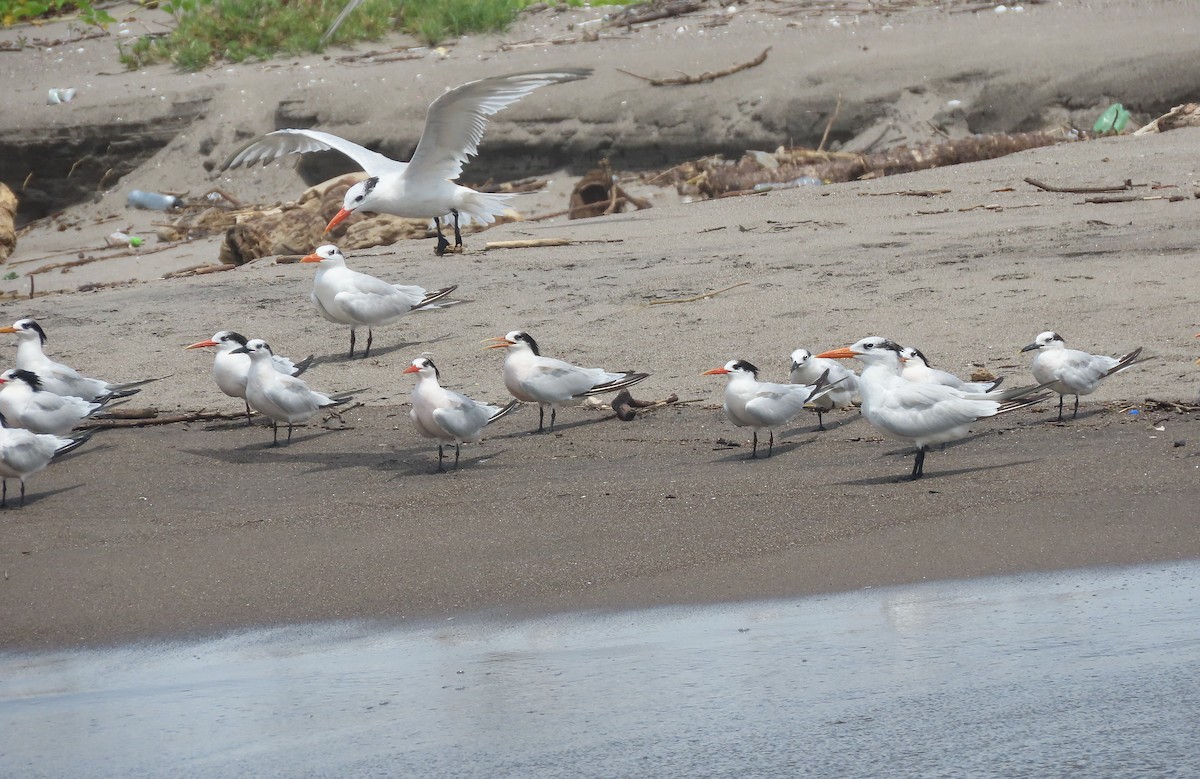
column 209, row 31
column 16, row 11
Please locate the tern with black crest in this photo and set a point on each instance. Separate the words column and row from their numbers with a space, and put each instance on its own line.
column 24, row 403
column 348, row 297
column 55, row 377
column 762, row 405
column 806, row 369
column 423, row 187
column 550, row 382
column 24, row 453
column 921, row 414
column 231, row 369
column 446, row 415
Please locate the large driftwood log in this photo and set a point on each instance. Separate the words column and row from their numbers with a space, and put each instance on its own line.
column 8, row 213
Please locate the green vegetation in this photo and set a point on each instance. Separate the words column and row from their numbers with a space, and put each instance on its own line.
column 14, row 11
column 209, row 31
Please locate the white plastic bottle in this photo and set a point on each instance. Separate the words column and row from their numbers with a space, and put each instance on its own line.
column 153, row 201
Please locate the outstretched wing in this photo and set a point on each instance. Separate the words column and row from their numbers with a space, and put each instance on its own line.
column 455, row 121
column 273, row 145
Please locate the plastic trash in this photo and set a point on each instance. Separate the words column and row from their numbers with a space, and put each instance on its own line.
column 153, row 201
column 59, row 95
column 1113, row 120
column 121, row 239
column 803, row 181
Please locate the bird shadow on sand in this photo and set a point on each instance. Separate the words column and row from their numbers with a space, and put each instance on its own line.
column 422, row 461
column 377, row 350
column 830, row 426
column 742, row 453
column 930, row 474
column 33, row 495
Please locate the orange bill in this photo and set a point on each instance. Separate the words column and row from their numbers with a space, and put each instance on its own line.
column 839, row 354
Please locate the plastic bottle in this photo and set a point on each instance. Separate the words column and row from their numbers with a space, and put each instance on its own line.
column 153, row 201
column 121, row 239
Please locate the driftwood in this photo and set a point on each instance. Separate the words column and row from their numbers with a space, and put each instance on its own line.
column 703, row 77
column 653, row 11
column 1133, row 198
column 599, row 194
column 715, row 177
column 156, row 419
column 1080, row 190
column 626, row 407
column 1186, row 115
column 694, row 298
column 198, row 270
column 8, row 213
column 527, row 243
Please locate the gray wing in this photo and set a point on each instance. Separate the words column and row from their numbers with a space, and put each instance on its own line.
column 273, row 145
column 455, row 121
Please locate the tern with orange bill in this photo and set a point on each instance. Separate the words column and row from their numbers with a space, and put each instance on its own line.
column 423, row 187
column 921, row 414
column 552, row 383
column 762, row 405
column 231, row 370
column 24, row 453
column 348, row 297
column 446, row 415
column 55, row 377
column 24, row 403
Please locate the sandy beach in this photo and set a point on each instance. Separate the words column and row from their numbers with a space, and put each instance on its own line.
column 184, row 529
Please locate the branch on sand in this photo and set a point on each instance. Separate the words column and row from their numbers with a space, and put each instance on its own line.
column 1080, row 190
column 703, row 77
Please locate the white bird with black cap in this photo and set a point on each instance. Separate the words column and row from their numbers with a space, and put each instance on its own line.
column 922, row 414
column 24, row 403
column 762, row 405
column 423, row 187
column 914, row 366
column 1071, row 371
column 231, row 370
column 279, row 397
column 446, row 415
column 348, row 297
column 550, row 382
column 55, row 377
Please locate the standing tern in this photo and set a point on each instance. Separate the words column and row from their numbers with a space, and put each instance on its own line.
column 24, row 403
column 24, row 453
column 422, row 188
column 806, row 369
column 232, row 370
column 1071, row 371
column 914, row 366
column 549, row 382
column 762, row 405
column 56, row 377
column 347, row 297
column 922, row 414
column 446, row 415
column 279, row 397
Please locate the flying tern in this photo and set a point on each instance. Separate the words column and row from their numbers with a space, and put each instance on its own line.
column 232, row 370
column 922, row 414
column 347, row 297
column 806, row 369
column 24, row 403
column 553, row 383
column 279, row 397
column 24, row 453
column 424, row 187
column 56, row 377
column 446, row 415
column 762, row 405
column 1071, row 371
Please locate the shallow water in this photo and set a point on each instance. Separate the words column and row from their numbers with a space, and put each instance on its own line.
column 1086, row 673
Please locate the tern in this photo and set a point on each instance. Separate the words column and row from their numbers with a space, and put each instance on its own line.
column 232, row 370
column 922, row 414
column 24, row 403
column 24, row 453
column 446, row 415
column 914, row 366
column 762, row 405
column 549, row 382
column 1071, row 371
column 806, row 369
column 280, row 398
column 422, row 188
column 56, row 377
column 347, row 297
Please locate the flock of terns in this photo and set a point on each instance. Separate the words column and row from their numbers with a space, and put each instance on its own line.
column 42, row 401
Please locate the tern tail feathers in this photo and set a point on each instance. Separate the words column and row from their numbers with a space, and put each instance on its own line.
column 512, row 406
column 1025, row 402
column 433, row 297
column 302, row 366
column 75, row 443
column 1127, row 361
column 628, row 379
column 483, row 207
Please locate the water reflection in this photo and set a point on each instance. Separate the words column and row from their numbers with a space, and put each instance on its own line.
column 1090, row 673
